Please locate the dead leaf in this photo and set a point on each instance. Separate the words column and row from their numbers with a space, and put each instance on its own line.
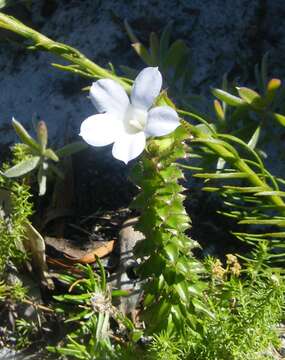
column 35, row 244
column 63, row 264
column 90, row 256
column 74, row 254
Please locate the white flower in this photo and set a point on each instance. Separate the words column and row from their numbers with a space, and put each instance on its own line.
column 127, row 123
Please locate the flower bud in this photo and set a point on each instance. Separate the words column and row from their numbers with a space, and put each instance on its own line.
column 42, row 134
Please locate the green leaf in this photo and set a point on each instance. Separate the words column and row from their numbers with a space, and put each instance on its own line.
column 208, row 129
column 175, row 53
column 74, row 69
column 280, row 235
column 163, row 308
column 254, row 139
column 71, row 149
column 171, row 251
column 130, row 32
column 143, row 53
column 199, row 306
column 280, row 118
column 116, row 293
column 229, row 175
column 278, row 222
column 148, row 299
column 182, row 290
column 4, row 3
column 129, row 72
column 154, row 48
column 136, row 335
column 210, row 189
column 220, row 164
column 219, row 111
column 270, row 193
column 228, row 98
column 24, row 136
column 164, row 40
column 50, row 154
column 102, row 273
column 73, row 298
column 251, row 97
column 163, row 99
column 42, row 178
column 7, row 3
column 153, row 266
column 244, row 189
column 56, row 171
column 271, row 90
column 23, row 167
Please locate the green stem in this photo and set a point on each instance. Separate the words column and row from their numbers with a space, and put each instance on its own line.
column 237, row 163
column 173, row 288
column 66, row 52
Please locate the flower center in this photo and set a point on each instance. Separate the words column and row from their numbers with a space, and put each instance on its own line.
column 135, row 120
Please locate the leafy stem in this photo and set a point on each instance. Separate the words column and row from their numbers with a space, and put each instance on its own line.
column 83, row 66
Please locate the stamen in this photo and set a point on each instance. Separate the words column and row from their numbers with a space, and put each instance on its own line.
column 137, row 124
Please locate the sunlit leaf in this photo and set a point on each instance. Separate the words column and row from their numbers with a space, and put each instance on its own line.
column 278, row 222
column 182, row 290
column 219, row 111
column 171, row 251
column 271, row 193
column 280, row 118
column 200, row 307
column 228, row 98
column 50, row 154
column 254, row 139
column 24, row 136
column 23, row 167
column 271, row 90
column 229, row 175
column 251, row 97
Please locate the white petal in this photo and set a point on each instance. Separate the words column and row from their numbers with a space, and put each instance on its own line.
column 161, row 120
column 109, row 96
column 129, row 146
column 146, row 88
column 100, row 129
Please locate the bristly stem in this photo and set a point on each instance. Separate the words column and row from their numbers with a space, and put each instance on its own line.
column 171, row 273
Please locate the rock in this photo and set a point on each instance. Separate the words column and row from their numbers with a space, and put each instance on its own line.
column 23, row 310
column 126, row 278
column 6, row 354
column 9, row 354
column 223, row 37
column 282, row 345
